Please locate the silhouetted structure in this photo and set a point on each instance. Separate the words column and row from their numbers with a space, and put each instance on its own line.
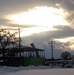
column 28, row 56
column 33, row 46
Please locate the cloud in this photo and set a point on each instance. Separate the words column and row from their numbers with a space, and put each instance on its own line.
column 41, row 40
column 68, row 6
column 9, row 7
column 4, row 21
column 12, row 6
column 9, row 23
column 63, row 32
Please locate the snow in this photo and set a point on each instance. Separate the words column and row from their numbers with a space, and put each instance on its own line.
column 35, row 70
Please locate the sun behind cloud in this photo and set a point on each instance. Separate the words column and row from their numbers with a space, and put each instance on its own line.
column 40, row 16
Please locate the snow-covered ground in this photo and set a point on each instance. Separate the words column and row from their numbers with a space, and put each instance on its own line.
column 35, row 70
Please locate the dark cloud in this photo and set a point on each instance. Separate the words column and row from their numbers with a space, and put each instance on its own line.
column 15, row 6
column 6, row 22
column 63, row 32
column 68, row 6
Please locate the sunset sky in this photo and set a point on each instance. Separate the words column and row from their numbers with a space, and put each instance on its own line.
column 41, row 21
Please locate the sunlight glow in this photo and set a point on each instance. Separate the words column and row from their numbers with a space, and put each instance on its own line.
column 71, row 47
column 39, row 16
column 64, row 40
column 33, row 30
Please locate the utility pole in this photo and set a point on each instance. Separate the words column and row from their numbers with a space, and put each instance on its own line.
column 19, row 41
column 51, row 43
column 19, row 37
column 19, row 44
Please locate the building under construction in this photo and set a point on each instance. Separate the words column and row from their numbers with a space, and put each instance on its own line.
column 23, row 57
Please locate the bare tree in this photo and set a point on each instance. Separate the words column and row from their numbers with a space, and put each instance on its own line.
column 6, row 39
column 66, row 55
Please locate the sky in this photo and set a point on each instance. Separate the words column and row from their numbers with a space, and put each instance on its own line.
column 41, row 21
